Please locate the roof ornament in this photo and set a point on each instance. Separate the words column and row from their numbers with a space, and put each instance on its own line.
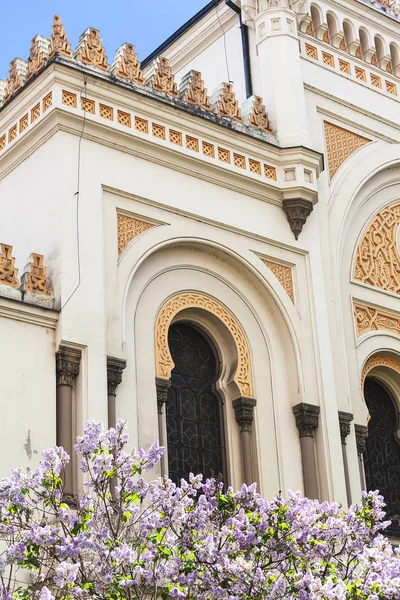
column 224, row 102
column 193, row 91
column 126, row 64
column 90, row 50
column 34, row 278
column 59, row 43
column 38, row 55
column 16, row 76
column 162, row 79
column 255, row 114
column 8, row 272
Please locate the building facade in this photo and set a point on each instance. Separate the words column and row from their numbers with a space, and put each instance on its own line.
column 214, row 246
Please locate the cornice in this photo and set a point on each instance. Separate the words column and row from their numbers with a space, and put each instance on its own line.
column 27, row 313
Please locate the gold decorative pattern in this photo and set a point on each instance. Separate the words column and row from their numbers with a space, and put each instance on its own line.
column 129, row 228
column 2, row 142
column 59, row 43
column 360, row 74
column 257, row 116
column 34, row 278
column 91, row 51
column 311, row 51
column 164, row 362
column 344, row 67
column 69, row 99
column 225, row 103
column 224, row 155
column 254, row 166
column 372, row 319
column 391, row 88
column 340, row 144
column 141, row 125
column 124, row 118
column 378, row 360
column 284, row 274
column 208, row 149
column 23, row 123
column 12, row 134
column 175, row 137
column 47, row 101
column 106, row 112
column 8, row 272
column 127, row 66
column 270, row 172
column 163, row 80
column 377, row 261
column 37, row 57
column 328, row 59
column 239, row 161
column 376, row 81
column 193, row 92
column 35, row 112
column 192, row 143
column 158, row 131
column 88, row 105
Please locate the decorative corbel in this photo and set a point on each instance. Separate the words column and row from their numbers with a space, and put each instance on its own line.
column 297, row 211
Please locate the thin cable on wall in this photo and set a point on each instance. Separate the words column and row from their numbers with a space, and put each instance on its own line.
column 77, row 193
column 224, row 38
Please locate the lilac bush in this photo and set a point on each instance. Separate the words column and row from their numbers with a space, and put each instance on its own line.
column 130, row 539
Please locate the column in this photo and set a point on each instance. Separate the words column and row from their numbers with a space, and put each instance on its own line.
column 115, row 367
column 67, row 368
column 345, row 420
column 244, row 413
column 361, row 438
column 307, row 422
column 162, row 387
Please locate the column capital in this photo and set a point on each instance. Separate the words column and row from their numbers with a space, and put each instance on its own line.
column 306, row 418
column 244, row 412
column 361, row 437
column 345, row 420
column 67, row 365
column 162, row 387
column 115, row 367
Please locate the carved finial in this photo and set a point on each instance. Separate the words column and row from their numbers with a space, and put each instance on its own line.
column 162, row 79
column 297, row 211
column 34, row 278
column 90, row 50
column 126, row 64
column 224, row 102
column 255, row 114
column 38, row 55
column 192, row 90
column 8, row 273
column 16, row 76
column 59, row 43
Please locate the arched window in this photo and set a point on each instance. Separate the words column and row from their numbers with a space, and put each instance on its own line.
column 194, row 423
column 382, row 452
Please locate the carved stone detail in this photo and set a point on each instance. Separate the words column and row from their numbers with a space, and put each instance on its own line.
column 306, row 418
column 255, row 114
column 297, row 211
column 162, row 79
column 126, row 64
column 115, row 367
column 225, row 104
column 8, row 273
column 179, row 302
column 379, row 361
column 90, row 50
column 372, row 319
column 284, row 274
column 193, row 92
column 345, row 420
column 67, row 365
column 129, row 228
column 162, row 387
column 340, row 144
column 34, row 278
column 38, row 55
column 59, row 43
column 361, row 437
column 16, row 76
column 377, row 260
column 244, row 412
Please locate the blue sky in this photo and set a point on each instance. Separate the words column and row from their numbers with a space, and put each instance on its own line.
column 144, row 23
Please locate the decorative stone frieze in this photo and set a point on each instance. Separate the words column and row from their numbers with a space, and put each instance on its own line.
column 67, row 365
column 340, row 144
column 369, row 319
column 255, row 114
column 297, row 211
column 361, row 438
column 244, row 412
column 129, row 228
column 115, row 368
column 126, row 64
column 306, row 418
column 59, row 43
column 284, row 274
column 379, row 360
column 16, row 77
column 8, row 272
column 38, row 55
column 90, row 50
column 225, row 104
column 377, row 261
column 162, row 387
column 345, row 420
column 193, row 91
column 162, row 80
